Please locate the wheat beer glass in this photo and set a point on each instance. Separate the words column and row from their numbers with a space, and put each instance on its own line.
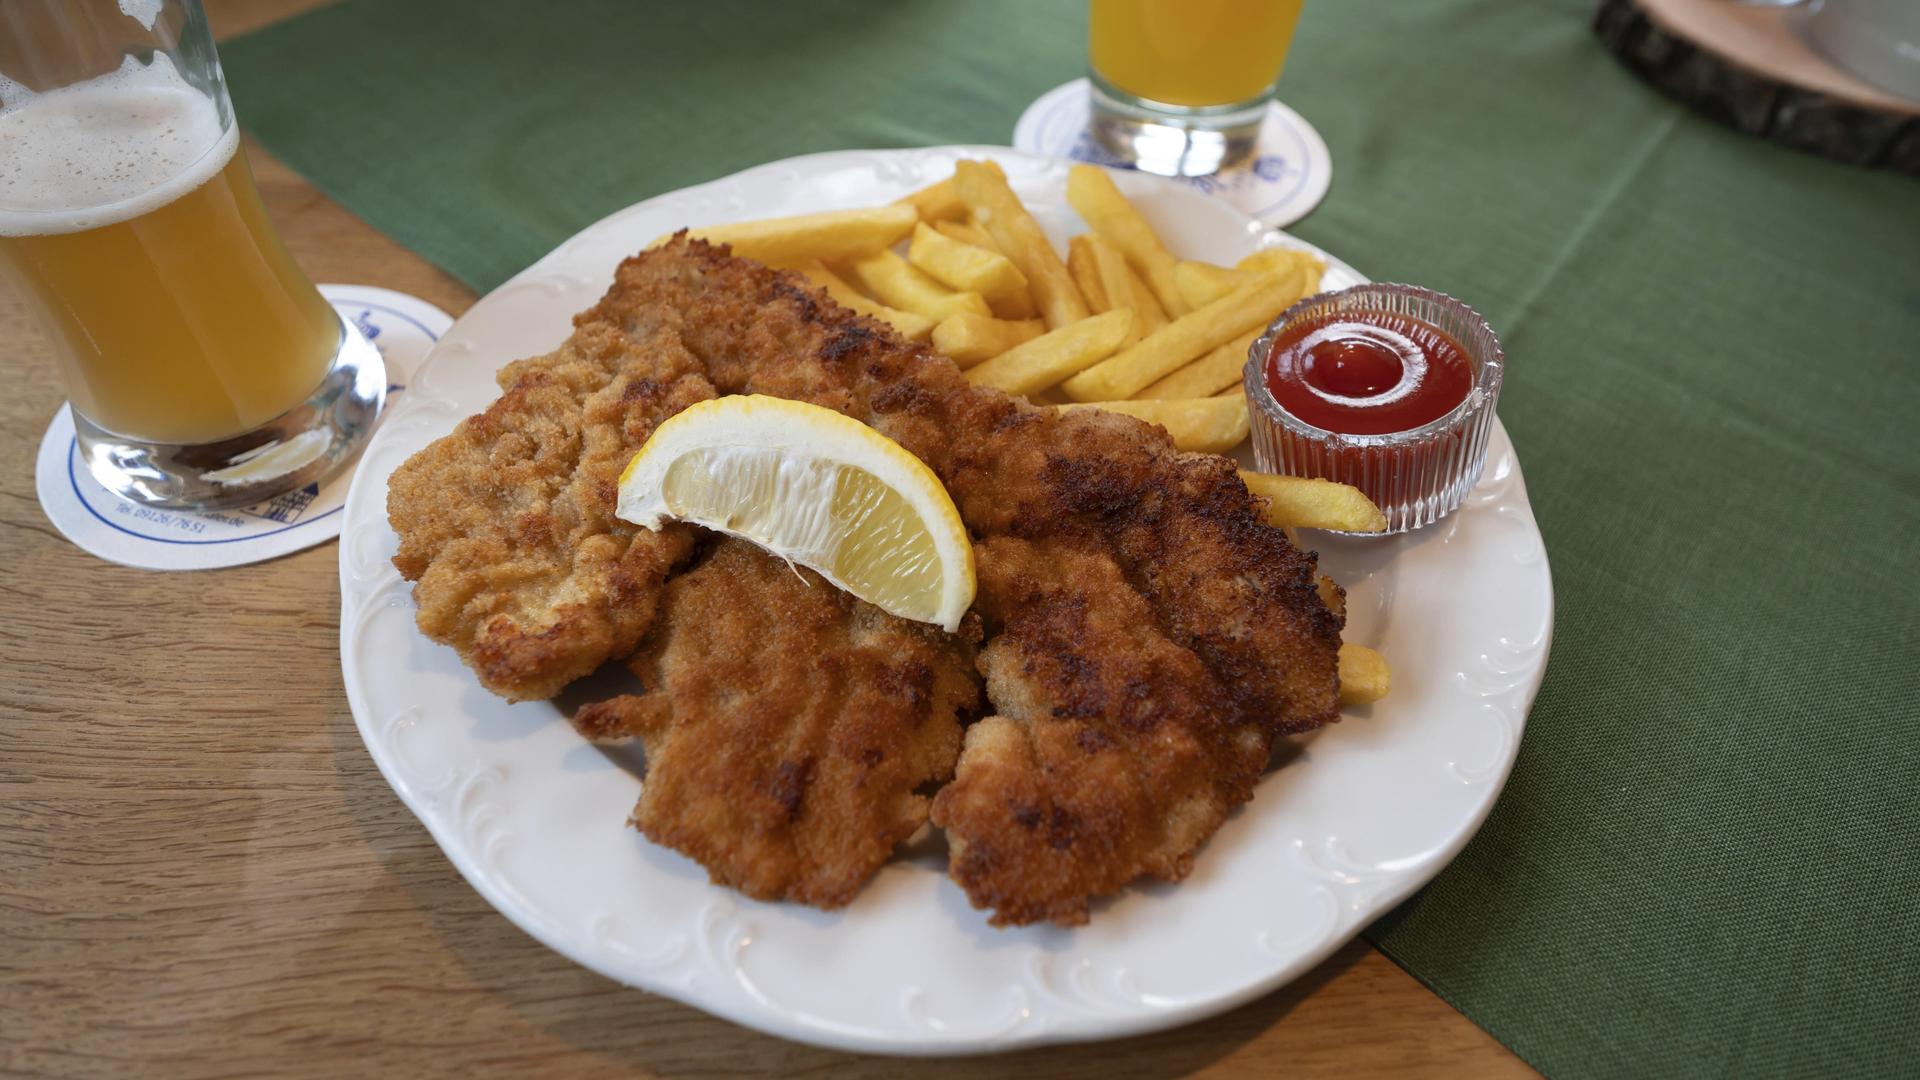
column 1180, row 87
column 203, row 368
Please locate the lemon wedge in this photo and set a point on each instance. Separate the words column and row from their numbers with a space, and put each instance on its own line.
column 815, row 488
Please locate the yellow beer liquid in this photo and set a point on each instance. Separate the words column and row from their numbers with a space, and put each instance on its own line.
column 1191, row 52
column 179, row 318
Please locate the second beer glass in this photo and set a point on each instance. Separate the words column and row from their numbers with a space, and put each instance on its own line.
column 1180, row 87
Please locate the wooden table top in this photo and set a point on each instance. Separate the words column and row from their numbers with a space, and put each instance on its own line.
column 202, row 872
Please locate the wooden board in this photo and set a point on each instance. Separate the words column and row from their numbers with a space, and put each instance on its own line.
column 1748, row 67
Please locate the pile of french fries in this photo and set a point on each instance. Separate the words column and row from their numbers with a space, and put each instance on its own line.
column 1119, row 324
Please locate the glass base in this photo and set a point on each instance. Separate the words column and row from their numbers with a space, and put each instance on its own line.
column 1174, row 140
column 299, row 447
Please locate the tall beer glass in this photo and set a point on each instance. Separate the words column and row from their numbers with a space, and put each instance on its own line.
column 203, row 368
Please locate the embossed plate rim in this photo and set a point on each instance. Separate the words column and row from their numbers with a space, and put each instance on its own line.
column 471, row 767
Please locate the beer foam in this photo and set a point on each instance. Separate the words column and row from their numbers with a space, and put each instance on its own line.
column 105, row 150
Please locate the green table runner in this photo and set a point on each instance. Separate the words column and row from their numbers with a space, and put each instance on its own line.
column 1706, row 861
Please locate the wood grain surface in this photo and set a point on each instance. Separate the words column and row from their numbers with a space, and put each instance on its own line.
column 202, row 873
column 1763, row 39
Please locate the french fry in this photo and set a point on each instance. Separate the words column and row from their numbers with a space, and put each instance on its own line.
column 969, row 339
column 1086, row 274
column 1364, row 675
column 895, row 282
column 1014, row 305
column 1144, row 302
column 1017, row 304
column 1204, row 425
column 1086, row 255
column 939, row 202
column 1331, row 594
column 911, row 326
column 967, row 232
column 964, row 267
column 1104, row 279
column 1035, row 365
column 1203, row 283
column 830, row 235
column 1019, row 238
column 1218, row 370
column 936, row 202
column 1303, row 502
column 1186, row 338
column 1124, row 287
column 1092, row 194
column 1280, row 260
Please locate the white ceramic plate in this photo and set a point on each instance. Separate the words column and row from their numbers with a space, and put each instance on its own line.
column 535, row 817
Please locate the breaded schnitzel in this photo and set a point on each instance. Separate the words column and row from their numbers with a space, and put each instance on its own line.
column 506, row 525
column 1147, row 635
column 789, row 727
column 1110, row 739
column 1146, row 631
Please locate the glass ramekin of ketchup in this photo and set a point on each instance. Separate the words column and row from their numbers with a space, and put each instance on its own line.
column 1390, row 388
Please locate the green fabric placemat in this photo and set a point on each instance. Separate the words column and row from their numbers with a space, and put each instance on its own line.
column 1707, row 860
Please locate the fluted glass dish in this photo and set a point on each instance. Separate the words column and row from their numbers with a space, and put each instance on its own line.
column 1416, row 476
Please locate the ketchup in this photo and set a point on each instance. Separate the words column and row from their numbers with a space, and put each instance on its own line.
column 1367, row 372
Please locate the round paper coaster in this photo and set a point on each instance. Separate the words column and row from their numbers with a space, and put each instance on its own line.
column 402, row 327
column 1287, row 175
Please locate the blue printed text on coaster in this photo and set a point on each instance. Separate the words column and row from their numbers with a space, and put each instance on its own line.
column 404, row 328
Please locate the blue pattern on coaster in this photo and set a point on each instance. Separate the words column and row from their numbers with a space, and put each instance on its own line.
column 1287, row 176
